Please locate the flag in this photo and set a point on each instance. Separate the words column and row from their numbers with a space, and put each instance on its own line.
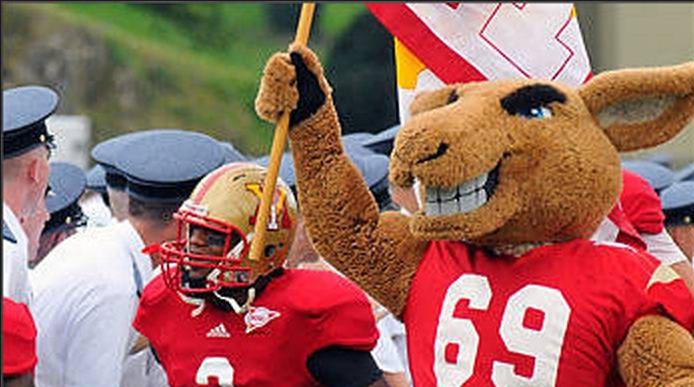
column 444, row 43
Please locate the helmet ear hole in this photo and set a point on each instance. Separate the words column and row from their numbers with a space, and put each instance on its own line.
column 270, row 250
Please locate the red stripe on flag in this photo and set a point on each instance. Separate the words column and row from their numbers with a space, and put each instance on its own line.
column 588, row 77
column 424, row 44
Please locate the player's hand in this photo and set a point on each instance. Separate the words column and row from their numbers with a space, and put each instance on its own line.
column 292, row 82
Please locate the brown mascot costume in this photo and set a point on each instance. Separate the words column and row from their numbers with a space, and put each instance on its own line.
column 494, row 277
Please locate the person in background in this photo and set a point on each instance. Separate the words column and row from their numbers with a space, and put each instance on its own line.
column 66, row 184
column 678, row 206
column 106, row 154
column 18, row 345
column 26, row 149
column 88, row 287
column 94, row 200
column 643, row 218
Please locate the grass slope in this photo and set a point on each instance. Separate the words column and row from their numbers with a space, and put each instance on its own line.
column 192, row 83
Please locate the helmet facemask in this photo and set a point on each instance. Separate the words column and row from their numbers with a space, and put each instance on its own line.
column 206, row 255
column 209, row 258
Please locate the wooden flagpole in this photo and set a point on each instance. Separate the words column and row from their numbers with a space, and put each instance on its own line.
column 278, row 143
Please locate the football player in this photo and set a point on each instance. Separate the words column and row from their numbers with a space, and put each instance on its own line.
column 638, row 221
column 216, row 316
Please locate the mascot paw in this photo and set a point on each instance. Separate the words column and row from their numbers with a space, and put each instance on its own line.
column 292, row 82
column 688, row 382
column 278, row 92
column 657, row 352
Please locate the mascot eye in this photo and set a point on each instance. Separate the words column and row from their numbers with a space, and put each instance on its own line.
column 532, row 101
column 536, row 112
column 452, row 97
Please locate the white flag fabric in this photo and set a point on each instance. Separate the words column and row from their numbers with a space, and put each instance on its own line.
column 444, row 43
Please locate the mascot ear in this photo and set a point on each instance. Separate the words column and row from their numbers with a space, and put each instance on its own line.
column 641, row 108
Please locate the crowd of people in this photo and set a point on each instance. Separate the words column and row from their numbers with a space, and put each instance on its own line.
column 136, row 273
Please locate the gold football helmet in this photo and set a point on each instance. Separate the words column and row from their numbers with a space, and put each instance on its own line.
column 215, row 229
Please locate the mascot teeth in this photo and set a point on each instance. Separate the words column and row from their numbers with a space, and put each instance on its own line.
column 466, row 197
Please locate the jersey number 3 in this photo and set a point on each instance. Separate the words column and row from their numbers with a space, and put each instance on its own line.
column 215, row 367
column 543, row 344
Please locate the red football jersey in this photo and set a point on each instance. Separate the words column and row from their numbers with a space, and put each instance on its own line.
column 638, row 211
column 553, row 317
column 298, row 313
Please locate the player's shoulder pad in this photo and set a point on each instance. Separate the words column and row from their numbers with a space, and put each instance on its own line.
column 154, row 291
column 323, row 289
column 615, row 254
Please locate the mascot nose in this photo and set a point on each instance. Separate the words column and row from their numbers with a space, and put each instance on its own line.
column 440, row 151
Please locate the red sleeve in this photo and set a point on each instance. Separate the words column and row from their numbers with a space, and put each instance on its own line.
column 667, row 290
column 656, row 289
column 346, row 318
column 641, row 204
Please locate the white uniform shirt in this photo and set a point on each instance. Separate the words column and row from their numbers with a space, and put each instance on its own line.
column 98, row 213
column 663, row 247
column 390, row 352
column 85, row 298
column 15, row 264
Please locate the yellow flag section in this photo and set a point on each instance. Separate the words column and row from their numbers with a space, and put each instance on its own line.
column 444, row 43
column 412, row 77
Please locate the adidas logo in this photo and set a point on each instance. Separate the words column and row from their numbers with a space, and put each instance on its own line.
column 218, row 331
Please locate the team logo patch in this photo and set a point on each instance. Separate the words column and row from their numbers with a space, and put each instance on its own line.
column 258, row 317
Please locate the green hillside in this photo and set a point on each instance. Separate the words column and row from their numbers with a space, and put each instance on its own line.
column 190, row 66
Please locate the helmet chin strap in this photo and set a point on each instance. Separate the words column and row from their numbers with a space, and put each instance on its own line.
column 238, row 309
column 226, row 298
column 231, row 301
column 200, row 302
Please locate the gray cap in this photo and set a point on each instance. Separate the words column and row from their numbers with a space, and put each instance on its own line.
column 372, row 166
column 24, row 112
column 685, row 173
column 66, row 183
column 231, row 154
column 678, row 203
column 96, row 179
column 165, row 165
column 383, row 142
column 106, row 154
column 664, row 159
column 658, row 176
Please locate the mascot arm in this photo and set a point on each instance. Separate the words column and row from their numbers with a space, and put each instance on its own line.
column 376, row 251
column 657, row 352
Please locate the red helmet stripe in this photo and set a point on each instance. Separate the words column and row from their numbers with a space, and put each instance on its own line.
column 210, row 179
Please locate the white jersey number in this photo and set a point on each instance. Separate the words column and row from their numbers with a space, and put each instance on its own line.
column 218, row 367
column 543, row 344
